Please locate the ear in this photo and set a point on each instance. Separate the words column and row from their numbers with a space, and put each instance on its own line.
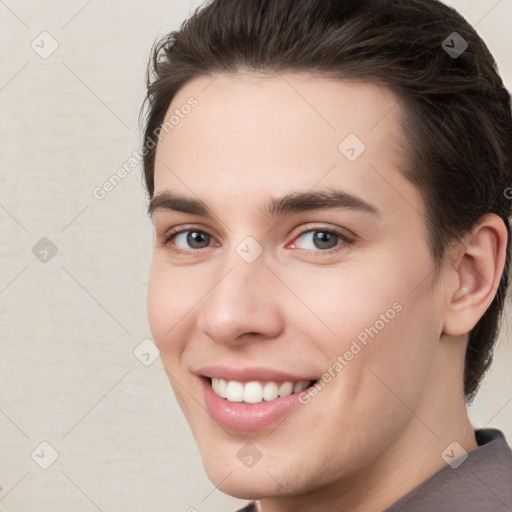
column 476, row 269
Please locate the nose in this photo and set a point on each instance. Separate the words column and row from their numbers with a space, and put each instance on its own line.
column 242, row 305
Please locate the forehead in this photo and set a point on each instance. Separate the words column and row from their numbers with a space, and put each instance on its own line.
column 252, row 136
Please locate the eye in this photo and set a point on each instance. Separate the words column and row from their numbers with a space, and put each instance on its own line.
column 319, row 239
column 190, row 239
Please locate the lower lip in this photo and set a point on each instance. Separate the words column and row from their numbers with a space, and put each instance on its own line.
column 244, row 416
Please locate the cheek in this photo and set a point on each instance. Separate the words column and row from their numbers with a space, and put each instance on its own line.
column 168, row 305
column 345, row 301
column 374, row 314
column 399, row 351
column 158, row 303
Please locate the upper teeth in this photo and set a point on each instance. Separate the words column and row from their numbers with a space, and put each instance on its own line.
column 255, row 392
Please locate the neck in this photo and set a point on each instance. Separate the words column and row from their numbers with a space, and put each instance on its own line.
column 414, row 455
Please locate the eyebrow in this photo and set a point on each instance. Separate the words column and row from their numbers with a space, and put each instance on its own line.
column 295, row 202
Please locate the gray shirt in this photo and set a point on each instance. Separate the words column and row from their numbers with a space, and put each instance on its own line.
column 482, row 483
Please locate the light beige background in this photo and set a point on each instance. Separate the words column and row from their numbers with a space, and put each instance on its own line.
column 68, row 374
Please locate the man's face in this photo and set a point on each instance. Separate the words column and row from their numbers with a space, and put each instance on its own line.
column 338, row 292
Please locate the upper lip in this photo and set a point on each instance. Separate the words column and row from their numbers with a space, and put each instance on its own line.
column 250, row 374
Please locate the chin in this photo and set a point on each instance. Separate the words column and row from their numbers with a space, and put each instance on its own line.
column 244, row 484
column 266, row 479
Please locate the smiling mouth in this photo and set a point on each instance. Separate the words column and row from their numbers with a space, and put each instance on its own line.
column 255, row 392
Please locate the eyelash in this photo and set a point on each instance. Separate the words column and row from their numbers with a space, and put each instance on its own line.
column 344, row 240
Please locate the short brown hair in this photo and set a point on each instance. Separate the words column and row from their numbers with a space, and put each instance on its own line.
column 457, row 111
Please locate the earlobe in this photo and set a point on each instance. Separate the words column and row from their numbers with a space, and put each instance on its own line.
column 477, row 275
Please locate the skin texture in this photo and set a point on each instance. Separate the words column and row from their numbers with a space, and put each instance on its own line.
column 378, row 428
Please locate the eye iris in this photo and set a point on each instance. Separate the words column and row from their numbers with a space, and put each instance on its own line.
column 198, row 240
column 323, row 240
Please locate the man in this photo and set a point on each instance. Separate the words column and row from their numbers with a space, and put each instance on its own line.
column 327, row 181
